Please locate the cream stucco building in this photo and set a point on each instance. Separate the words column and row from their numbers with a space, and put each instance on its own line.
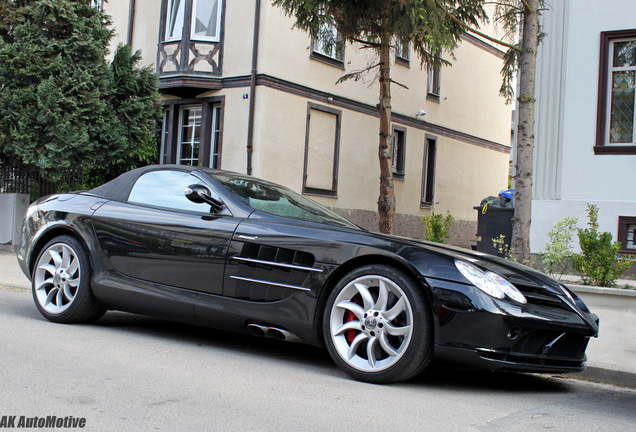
column 243, row 91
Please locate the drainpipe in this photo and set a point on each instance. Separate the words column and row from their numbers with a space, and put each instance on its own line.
column 131, row 23
column 250, row 121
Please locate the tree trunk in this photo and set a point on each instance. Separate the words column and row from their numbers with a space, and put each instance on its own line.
column 386, row 201
column 525, row 132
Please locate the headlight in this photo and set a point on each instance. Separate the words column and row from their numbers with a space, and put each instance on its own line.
column 491, row 283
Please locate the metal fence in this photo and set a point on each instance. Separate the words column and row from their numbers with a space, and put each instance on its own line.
column 15, row 178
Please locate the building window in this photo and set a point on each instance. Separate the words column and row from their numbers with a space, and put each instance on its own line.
column 97, row 4
column 163, row 155
column 328, row 47
column 192, row 132
column 215, row 150
column 616, row 97
column 398, row 150
column 428, row 171
column 205, row 22
column 433, row 87
column 174, row 19
column 402, row 52
column 189, row 135
column 433, row 83
column 627, row 233
column 322, row 146
column 190, row 33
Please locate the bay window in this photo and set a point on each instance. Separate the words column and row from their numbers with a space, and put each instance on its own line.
column 190, row 42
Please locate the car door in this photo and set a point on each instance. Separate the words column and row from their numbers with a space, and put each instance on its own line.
column 160, row 236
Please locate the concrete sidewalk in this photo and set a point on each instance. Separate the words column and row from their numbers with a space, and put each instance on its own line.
column 611, row 356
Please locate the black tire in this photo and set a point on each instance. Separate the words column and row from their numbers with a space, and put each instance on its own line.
column 61, row 282
column 377, row 325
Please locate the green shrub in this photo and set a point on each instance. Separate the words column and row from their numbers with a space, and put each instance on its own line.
column 599, row 259
column 556, row 257
column 504, row 250
column 437, row 226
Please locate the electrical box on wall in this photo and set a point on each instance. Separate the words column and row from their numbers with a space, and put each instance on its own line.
column 12, row 210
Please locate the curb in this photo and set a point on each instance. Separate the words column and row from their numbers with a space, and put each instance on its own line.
column 601, row 290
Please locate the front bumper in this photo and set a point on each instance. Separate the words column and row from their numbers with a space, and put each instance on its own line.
column 544, row 335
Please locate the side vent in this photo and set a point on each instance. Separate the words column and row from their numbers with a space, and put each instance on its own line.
column 265, row 273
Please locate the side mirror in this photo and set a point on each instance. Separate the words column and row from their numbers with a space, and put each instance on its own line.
column 199, row 194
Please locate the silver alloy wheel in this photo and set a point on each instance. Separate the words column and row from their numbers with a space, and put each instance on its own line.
column 371, row 323
column 56, row 278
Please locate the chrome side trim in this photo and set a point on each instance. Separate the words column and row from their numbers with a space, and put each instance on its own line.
column 277, row 264
column 270, row 283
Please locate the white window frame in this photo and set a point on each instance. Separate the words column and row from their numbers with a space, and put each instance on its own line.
column 217, row 36
column 215, row 138
column 180, row 141
column 402, row 50
column 318, row 45
column 433, row 81
column 169, row 7
column 181, row 18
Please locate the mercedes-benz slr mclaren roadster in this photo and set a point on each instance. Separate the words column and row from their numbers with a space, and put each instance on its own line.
column 236, row 253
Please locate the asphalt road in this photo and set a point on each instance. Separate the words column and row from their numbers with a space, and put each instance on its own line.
column 132, row 373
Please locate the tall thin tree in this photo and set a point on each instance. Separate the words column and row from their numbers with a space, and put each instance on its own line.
column 429, row 26
column 520, row 18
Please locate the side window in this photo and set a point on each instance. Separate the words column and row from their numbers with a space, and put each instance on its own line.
column 166, row 189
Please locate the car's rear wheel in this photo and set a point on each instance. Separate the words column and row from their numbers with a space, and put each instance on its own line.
column 61, row 282
column 377, row 325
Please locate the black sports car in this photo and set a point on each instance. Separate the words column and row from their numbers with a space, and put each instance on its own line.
column 233, row 252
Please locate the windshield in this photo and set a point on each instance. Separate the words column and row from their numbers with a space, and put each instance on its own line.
column 278, row 200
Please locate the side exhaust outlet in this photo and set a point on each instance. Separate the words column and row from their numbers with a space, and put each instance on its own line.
column 272, row 332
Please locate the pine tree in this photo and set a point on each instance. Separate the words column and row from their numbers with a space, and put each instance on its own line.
column 62, row 105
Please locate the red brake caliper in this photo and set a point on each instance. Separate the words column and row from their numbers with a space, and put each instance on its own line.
column 351, row 334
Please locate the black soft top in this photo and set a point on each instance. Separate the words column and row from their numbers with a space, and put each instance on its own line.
column 118, row 189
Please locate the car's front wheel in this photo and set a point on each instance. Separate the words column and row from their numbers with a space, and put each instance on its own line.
column 61, row 282
column 377, row 325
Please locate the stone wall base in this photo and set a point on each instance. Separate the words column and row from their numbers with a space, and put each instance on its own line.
column 462, row 233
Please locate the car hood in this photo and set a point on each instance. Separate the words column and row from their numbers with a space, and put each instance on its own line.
column 517, row 273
